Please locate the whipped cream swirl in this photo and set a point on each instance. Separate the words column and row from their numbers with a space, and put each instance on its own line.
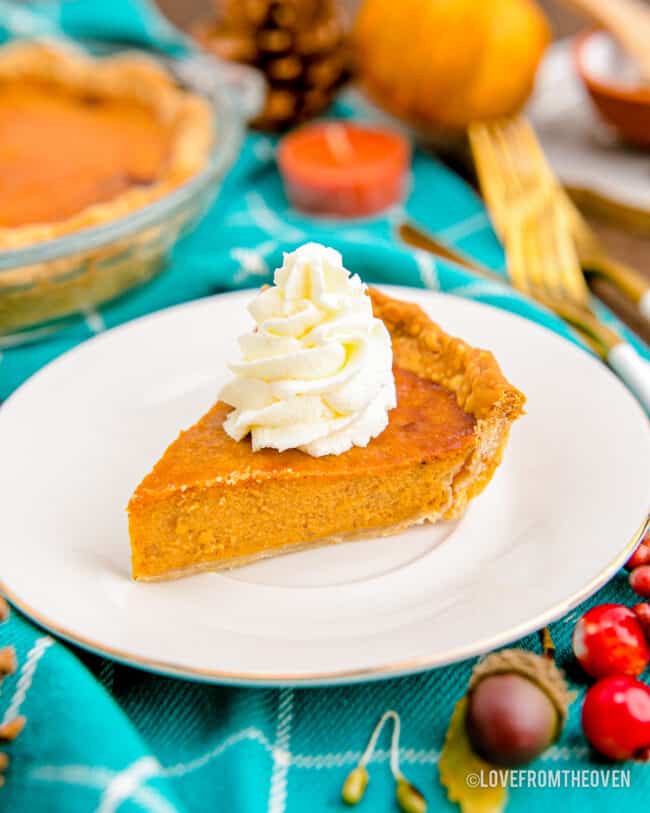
column 316, row 372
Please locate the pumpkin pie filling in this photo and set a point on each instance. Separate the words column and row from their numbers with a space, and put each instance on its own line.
column 61, row 152
column 84, row 142
column 212, row 503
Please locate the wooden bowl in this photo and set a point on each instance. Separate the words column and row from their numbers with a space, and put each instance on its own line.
column 615, row 86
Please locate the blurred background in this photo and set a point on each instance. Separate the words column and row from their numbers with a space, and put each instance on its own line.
column 183, row 12
column 628, row 244
column 431, row 70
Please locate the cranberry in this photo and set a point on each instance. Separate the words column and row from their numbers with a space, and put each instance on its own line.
column 641, row 555
column 510, row 720
column 609, row 640
column 642, row 612
column 640, row 580
column 616, row 717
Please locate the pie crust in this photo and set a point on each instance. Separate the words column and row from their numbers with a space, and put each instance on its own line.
column 211, row 503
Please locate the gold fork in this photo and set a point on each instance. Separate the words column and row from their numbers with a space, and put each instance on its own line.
column 591, row 253
column 530, row 215
column 594, row 259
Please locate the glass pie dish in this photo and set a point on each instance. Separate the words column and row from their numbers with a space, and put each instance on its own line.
column 45, row 282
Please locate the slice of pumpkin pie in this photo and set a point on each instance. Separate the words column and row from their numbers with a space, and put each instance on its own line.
column 350, row 415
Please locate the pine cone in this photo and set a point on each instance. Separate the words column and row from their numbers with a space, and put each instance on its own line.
column 299, row 45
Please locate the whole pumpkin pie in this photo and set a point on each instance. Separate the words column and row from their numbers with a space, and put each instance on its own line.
column 84, row 141
column 214, row 502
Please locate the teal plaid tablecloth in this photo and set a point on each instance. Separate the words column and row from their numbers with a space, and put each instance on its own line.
column 104, row 737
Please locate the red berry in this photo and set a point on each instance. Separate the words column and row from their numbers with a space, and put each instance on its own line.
column 609, row 640
column 642, row 612
column 640, row 580
column 616, row 717
column 641, row 555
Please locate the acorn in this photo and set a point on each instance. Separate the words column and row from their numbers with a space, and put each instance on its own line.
column 517, row 706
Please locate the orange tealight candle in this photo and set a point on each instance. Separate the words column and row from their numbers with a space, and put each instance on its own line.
column 343, row 169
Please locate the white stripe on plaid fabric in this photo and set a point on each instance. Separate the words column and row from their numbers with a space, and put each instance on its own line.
column 357, row 236
column 558, row 753
column 427, row 268
column 410, row 756
column 149, row 799
column 475, row 290
column 464, row 228
column 26, row 676
column 94, row 320
column 89, row 776
column 281, row 753
column 413, row 756
column 319, row 762
column 22, row 23
column 252, row 734
column 124, row 784
column 240, row 218
column 252, row 261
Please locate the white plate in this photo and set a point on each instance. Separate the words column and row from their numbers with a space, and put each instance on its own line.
column 559, row 518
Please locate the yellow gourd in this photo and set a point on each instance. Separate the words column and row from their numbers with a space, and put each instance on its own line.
column 440, row 64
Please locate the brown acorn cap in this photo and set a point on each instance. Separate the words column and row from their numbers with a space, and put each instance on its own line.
column 536, row 668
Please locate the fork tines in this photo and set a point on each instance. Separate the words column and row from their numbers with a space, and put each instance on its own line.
column 529, row 211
